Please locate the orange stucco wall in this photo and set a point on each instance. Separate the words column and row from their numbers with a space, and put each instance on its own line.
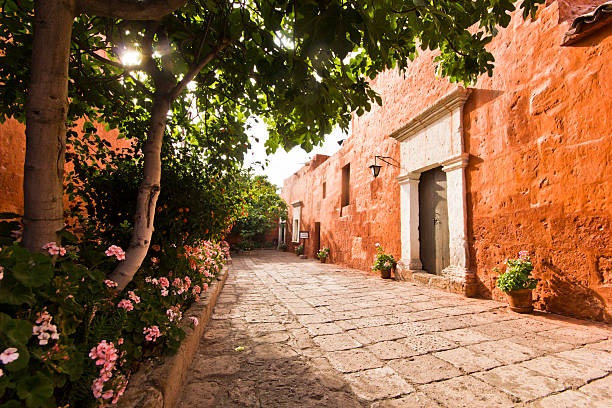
column 539, row 135
column 12, row 158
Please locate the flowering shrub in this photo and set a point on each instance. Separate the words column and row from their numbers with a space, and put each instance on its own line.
column 323, row 253
column 57, row 308
column 299, row 250
column 517, row 275
column 382, row 261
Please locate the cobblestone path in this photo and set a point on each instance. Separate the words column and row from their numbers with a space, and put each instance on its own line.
column 296, row 333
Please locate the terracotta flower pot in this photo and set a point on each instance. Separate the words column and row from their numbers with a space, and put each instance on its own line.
column 520, row 300
column 385, row 273
column 322, row 260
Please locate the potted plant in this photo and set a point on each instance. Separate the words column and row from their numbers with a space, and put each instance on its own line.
column 383, row 262
column 323, row 254
column 518, row 283
column 299, row 250
column 282, row 246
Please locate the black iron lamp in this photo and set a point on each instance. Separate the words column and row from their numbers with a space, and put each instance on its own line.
column 375, row 168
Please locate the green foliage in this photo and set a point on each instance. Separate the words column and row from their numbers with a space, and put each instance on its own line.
column 282, row 246
column 261, row 210
column 323, row 253
column 383, row 261
column 246, row 245
column 55, row 309
column 517, row 275
column 299, row 250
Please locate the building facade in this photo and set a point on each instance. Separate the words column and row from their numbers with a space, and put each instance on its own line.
column 520, row 161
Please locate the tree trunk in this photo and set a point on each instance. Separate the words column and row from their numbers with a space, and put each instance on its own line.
column 46, row 111
column 147, row 194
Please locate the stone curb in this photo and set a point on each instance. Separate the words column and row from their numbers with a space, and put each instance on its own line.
column 157, row 384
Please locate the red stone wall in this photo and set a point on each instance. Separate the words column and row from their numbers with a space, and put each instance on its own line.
column 539, row 134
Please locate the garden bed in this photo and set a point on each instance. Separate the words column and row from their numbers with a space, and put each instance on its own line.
column 157, row 383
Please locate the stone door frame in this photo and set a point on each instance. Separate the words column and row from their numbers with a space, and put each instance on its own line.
column 431, row 139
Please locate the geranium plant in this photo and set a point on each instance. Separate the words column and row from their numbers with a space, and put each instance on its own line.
column 383, row 261
column 299, row 250
column 517, row 275
column 323, row 253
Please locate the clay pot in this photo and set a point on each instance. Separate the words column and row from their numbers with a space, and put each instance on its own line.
column 520, row 300
column 385, row 273
column 322, row 260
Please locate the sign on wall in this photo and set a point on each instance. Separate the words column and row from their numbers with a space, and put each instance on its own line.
column 304, row 234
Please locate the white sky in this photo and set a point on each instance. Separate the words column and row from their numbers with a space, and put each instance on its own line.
column 283, row 164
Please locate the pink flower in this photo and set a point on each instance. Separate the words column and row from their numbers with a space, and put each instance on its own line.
column 151, row 333
column 116, row 251
column 164, row 282
column 205, row 286
column 377, row 245
column 164, row 292
column 54, row 249
column 196, row 290
column 194, row 320
column 1, row 272
column 154, row 260
column 126, row 304
column 45, row 330
column 9, row 355
column 110, row 283
column 523, row 255
column 120, row 341
column 135, row 298
column 1, row 372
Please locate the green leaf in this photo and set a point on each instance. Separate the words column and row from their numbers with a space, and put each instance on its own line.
column 36, row 390
column 17, row 332
column 34, row 274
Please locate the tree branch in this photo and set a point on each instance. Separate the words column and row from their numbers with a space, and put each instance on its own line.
column 130, row 10
column 197, row 68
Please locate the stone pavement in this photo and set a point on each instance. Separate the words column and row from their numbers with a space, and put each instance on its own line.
column 288, row 332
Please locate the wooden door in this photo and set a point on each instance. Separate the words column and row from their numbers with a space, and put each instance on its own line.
column 316, row 239
column 433, row 221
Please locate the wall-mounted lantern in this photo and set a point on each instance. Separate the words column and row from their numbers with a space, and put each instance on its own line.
column 375, row 168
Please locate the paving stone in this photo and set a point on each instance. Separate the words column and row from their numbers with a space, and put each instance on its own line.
column 334, row 342
column 465, row 336
column 467, row 360
column 426, row 343
column 318, row 329
column 467, row 392
column 599, row 390
column 390, row 350
column 378, row 383
column 504, row 350
column 381, row 333
column 424, row 369
column 523, row 383
column 426, row 315
column 273, row 351
column 313, row 318
column 575, row 336
column 413, row 400
column 216, row 366
column 379, row 340
column 571, row 373
column 569, row 399
column 605, row 345
column 274, row 337
column 353, row 360
column 498, row 330
column 540, row 343
column 588, row 356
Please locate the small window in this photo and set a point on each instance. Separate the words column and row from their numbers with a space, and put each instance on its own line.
column 324, row 189
column 346, row 185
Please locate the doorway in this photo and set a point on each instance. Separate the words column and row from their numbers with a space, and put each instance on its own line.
column 433, row 221
column 316, row 239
